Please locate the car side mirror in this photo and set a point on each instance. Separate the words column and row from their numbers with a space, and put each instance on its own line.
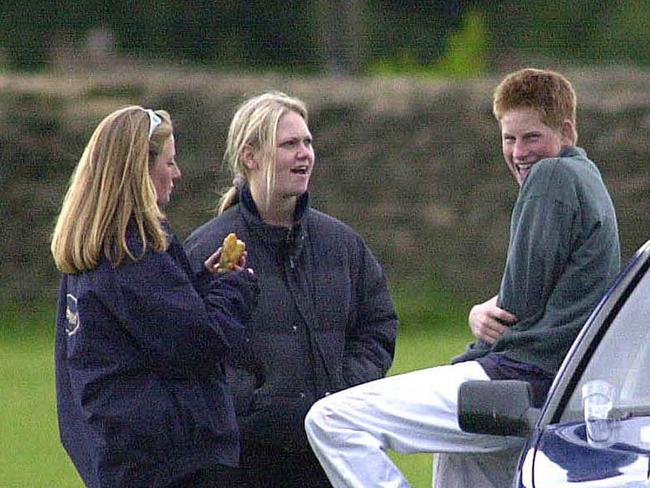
column 497, row 407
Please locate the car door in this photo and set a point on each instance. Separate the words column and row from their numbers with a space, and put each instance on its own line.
column 595, row 428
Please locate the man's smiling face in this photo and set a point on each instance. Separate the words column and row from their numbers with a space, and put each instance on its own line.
column 525, row 140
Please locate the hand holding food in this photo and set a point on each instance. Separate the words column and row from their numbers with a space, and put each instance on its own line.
column 231, row 253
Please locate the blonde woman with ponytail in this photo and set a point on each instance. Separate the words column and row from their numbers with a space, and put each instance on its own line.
column 140, row 337
column 325, row 320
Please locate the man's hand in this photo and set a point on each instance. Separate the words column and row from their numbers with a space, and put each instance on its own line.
column 489, row 322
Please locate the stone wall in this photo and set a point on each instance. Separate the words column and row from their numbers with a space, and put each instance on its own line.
column 413, row 164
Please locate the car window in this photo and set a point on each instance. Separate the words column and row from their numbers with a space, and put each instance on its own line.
column 620, row 364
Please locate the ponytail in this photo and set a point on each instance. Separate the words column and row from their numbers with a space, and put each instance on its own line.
column 231, row 195
column 228, row 199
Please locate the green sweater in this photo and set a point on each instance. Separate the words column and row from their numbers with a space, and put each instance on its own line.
column 563, row 253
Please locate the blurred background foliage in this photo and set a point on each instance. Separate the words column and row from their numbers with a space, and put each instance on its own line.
column 436, row 38
column 387, row 82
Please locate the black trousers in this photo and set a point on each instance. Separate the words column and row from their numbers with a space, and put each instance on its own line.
column 206, row 478
column 268, row 467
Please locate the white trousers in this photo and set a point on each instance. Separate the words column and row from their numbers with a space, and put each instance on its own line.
column 351, row 431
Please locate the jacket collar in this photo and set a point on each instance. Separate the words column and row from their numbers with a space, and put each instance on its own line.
column 246, row 200
column 572, row 151
column 292, row 237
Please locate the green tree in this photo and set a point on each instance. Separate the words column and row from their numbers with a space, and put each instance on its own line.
column 467, row 49
column 626, row 33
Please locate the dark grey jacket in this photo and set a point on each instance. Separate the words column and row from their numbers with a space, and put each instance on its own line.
column 563, row 253
column 324, row 321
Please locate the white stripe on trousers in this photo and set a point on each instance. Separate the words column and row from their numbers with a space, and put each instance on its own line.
column 350, row 431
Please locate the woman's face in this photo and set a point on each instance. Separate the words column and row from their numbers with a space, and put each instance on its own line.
column 294, row 159
column 165, row 172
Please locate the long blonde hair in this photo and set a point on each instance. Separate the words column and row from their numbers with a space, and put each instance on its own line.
column 254, row 125
column 110, row 186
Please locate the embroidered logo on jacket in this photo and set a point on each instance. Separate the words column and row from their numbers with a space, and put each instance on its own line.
column 72, row 322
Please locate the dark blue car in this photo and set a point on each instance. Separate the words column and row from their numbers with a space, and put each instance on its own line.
column 594, row 429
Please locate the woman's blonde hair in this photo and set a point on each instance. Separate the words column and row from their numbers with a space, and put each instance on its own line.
column 110, row 186
column 254, row 126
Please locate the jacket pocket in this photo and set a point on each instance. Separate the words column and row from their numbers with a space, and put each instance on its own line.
column 242, row 383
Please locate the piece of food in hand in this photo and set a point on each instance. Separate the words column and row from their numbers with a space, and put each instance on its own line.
column 231, row 252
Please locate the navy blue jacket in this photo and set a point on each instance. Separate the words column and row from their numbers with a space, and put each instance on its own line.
column 325, row 319
column 141, row 395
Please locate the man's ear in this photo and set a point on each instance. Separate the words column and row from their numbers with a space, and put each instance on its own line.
column 248, row 158
column 569, row 133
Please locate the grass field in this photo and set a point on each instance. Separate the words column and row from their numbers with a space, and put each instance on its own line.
column 433, row 330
